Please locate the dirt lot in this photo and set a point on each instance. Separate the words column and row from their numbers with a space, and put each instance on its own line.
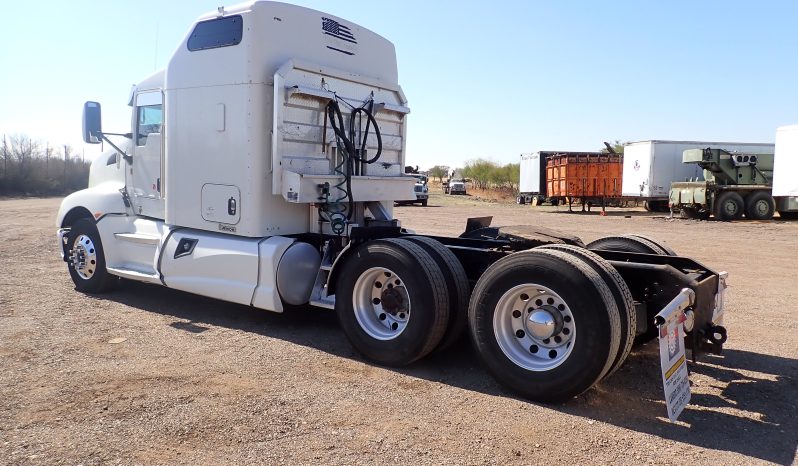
column 150, row 375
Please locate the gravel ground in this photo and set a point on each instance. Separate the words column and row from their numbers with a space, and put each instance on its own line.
column 148, row 375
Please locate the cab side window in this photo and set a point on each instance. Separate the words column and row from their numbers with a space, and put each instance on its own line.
column 149, row 116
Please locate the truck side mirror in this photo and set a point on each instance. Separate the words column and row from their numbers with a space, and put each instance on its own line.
column 92, row 122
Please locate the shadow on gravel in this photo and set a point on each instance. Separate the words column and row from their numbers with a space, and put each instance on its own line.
column 756, row 416
column 608, row 213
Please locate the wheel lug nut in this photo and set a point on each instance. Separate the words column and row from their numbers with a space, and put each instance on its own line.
column 520, row 333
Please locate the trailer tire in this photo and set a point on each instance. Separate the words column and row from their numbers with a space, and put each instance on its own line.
column 760, row 205
column 424, row 203
column 457, row 285
column 729, row 206
column 788, row 215
column 414, row 322
column 555, row 202
column 91, row 276
column 520, row 200
column 570, row 289
column 620, row 291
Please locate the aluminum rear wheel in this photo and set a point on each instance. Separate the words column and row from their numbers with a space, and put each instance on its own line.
column 534, row 327
column 382, row 303
column 523, row 316
column 381, row 284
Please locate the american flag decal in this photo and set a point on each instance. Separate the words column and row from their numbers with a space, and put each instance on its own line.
column 333, row 28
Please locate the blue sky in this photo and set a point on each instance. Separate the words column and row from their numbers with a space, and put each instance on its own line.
column 484, row 79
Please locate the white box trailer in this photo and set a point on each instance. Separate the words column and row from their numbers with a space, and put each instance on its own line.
column 261, row 167
column 649, row 167
column 532, row 182
column 785, row 171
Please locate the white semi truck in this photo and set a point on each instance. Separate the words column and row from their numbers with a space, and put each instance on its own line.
column 261, row 167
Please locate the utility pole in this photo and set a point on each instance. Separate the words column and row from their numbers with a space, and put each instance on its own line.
column 66, row 161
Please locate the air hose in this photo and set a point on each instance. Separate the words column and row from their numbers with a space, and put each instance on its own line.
column 339, row 210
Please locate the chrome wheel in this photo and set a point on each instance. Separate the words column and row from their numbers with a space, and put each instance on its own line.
column 381, row 303
column 534, row 327
column 83, row 257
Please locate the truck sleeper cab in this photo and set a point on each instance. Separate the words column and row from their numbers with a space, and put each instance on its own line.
column 261, row 168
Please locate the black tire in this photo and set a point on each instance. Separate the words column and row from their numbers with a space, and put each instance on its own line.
column 658, row 243
column 620, row 292
column 760, row 205
column 457, row 285
column 520, row 200
column 555, row 202
column 693, row 213
column 589, row 300
column 424, row 288
column 424, row 203
column 785, row 215
column 729, row 206
column 639, row 244
column 93, row 277
column 626, row 243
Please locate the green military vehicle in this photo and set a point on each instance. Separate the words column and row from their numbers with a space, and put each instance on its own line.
column 734, row 184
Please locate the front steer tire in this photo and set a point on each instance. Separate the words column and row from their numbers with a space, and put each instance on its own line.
column 87, row 270
column 542, row 283
column 392, row 302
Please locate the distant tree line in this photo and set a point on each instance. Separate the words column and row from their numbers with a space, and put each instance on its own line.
column 30, row 168
column 487, row 174
column 482, row 173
